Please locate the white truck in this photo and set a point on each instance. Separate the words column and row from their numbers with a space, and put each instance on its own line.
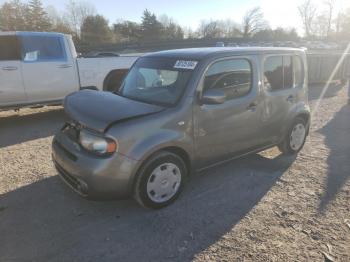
column 43, row 68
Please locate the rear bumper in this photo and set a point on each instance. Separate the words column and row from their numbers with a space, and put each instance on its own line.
column 90, row 176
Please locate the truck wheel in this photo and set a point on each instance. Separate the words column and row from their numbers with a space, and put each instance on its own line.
column 160, row 180
column 295, row 138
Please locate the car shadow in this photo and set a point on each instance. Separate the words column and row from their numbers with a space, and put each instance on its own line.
column 46, row 221
column 337, row 137
column 315, row 90
column 16, row 129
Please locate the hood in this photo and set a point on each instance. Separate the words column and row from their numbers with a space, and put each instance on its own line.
column 99, row 110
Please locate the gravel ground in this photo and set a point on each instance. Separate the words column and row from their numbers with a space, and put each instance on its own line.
column 265, row 207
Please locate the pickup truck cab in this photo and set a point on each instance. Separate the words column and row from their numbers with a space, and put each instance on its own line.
column 43, row 68
column 178, row 111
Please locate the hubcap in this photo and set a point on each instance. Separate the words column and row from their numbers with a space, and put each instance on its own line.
column 297, row 137
column 164, row 182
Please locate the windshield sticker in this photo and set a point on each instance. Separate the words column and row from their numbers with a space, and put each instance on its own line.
column 181, row 64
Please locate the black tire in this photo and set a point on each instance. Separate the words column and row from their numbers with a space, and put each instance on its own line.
column 285, row 146
column 143, row 176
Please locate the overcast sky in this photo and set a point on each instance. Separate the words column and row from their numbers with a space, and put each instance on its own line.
column 190, row 12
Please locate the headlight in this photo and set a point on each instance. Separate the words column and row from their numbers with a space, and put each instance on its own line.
column 97, row 144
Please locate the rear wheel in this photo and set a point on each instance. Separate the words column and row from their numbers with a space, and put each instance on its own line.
column 295, row 138
column 160, row 180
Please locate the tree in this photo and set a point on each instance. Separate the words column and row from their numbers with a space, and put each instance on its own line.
column 95, row 30
column 13, row 16
column 230, row 28
column 343, row 25
column 307, row 12
column 253, row 22
column 330, row 8
column 59, row 22
column 127, row 31
column 151, row 27
column 209, row 29
column 189, row 33
column 321, row 27
column 77, row 12
column 170, row 29
column 218, row 29
column 37, row 17
column 279, row 34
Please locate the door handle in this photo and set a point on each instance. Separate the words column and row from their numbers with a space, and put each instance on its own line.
column 290, row 99
column 252, row 106
column 65, row 66
column 9, row 68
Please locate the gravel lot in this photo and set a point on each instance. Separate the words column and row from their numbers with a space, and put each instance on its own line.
column 264, row 207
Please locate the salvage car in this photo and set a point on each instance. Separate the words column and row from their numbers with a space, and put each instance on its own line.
column 42, row 68
column 178, row 112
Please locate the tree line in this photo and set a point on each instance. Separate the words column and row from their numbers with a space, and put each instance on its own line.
column 321, row 21
column 87, row 26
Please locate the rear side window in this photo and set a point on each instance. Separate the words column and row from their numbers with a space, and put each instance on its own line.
column 273, row 73
column 42, row 48
column 9, row 48
column 233, row 76
column 299, row 74
column 283, row 72
column 288, row 77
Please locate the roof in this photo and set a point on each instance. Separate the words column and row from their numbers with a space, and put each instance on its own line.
column 30, row 33
column 207, row 52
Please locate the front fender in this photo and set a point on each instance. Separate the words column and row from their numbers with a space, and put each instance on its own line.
column 165, row 139
column 158, row 141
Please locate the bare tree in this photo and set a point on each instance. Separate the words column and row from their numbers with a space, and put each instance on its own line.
column 209, row 29
column 77, row 12
column 330, row 9
column 59, row 22
column 253, row 21
column 307, row 13
column 218, row 29
column 189, row 33
column 229, row 28
column 343, row 25
column 320, row 26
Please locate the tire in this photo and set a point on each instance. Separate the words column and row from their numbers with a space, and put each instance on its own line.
column 290, row 146
column 152, row 180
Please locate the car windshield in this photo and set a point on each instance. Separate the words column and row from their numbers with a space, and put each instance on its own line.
column 159, row 81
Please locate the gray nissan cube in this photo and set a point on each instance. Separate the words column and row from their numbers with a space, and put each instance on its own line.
column 178, row 112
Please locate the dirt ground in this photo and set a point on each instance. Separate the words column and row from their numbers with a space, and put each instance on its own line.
column 265, row 207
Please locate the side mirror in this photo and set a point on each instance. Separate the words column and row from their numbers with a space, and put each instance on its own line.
column 213, row 97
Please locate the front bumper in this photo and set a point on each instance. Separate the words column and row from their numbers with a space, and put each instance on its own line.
column 91, row 176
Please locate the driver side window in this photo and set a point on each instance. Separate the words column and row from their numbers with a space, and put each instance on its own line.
column 233, row 77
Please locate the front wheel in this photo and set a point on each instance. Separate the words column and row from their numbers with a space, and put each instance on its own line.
column 295, row 138
column 160, row 180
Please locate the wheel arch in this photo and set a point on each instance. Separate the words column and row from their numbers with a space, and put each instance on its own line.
column 306, row 117
column 121, row 72
column 177, row 150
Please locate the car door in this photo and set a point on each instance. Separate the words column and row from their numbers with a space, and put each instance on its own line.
column 11, row 83
column 49, row 71
column 225, row 130
column 280, row 94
